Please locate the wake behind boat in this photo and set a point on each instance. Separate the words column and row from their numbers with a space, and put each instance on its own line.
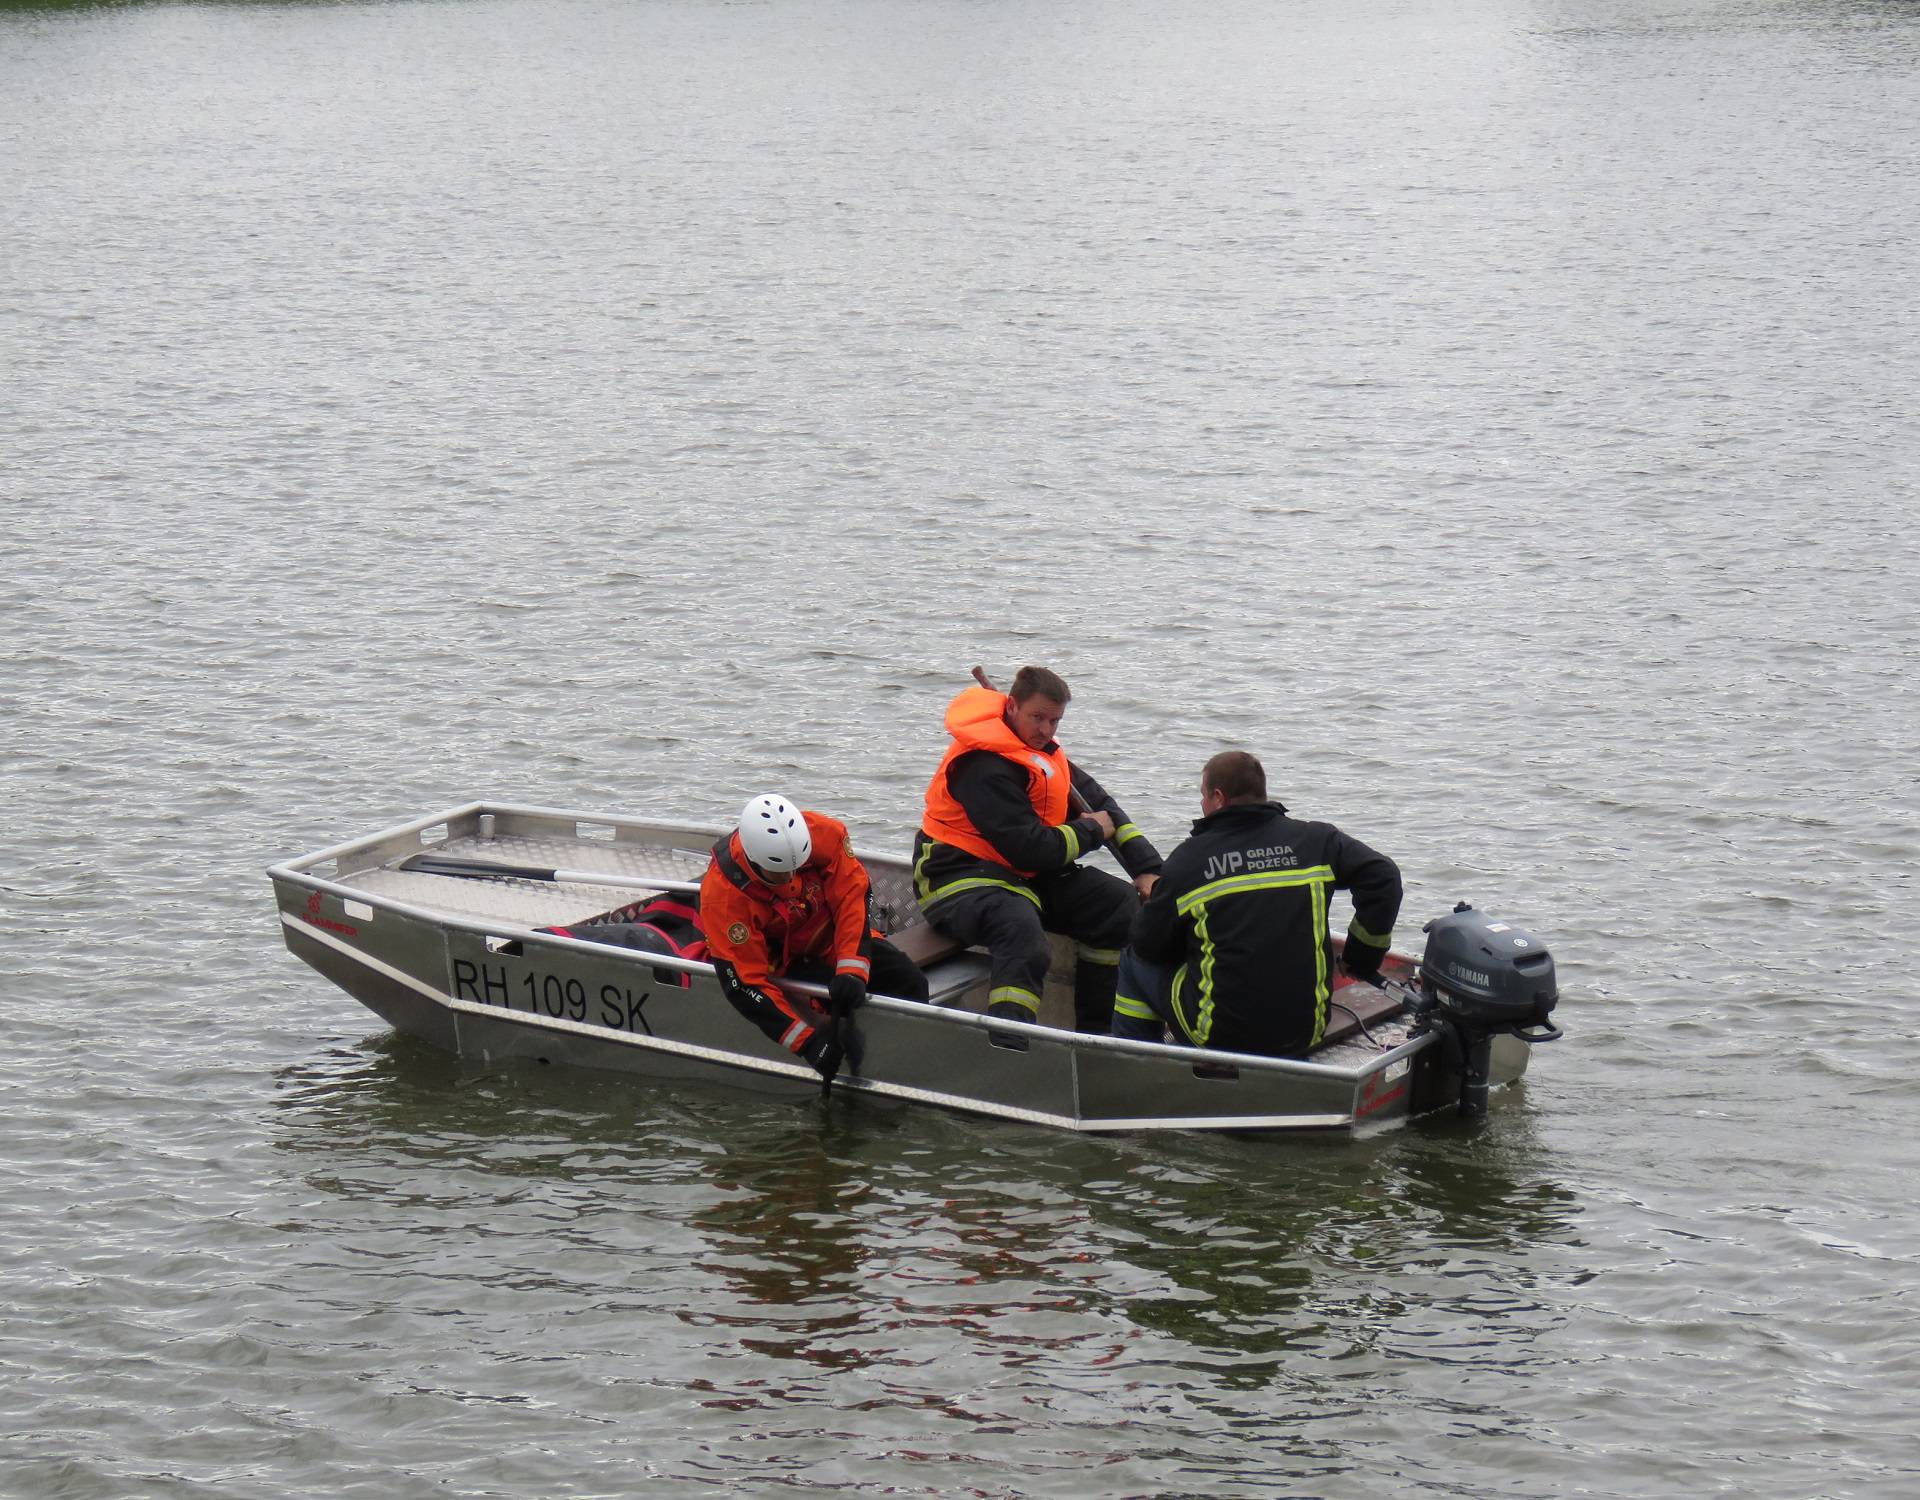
column 434, row 926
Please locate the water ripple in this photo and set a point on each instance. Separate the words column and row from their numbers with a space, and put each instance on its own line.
column 635, row 407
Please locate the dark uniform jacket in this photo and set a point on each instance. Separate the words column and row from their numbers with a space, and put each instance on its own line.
column 1241, row 907
column 993, row 792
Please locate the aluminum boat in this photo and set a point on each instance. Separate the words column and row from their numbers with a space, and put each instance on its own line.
column 456, row 959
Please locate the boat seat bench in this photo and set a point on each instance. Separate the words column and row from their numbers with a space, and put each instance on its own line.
column 948, row 979
column 951, row 970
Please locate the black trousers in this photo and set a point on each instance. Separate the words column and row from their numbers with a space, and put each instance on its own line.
column 799, row 1020
column 893, row 974
column 1012, row 921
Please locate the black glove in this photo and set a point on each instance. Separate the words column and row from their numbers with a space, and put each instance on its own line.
column 846, row 992
column 826, row 1052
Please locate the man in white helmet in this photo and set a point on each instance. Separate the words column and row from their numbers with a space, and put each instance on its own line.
column 785, row 898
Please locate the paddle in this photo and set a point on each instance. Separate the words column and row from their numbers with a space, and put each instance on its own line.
column 1075, row 802
column 485, row 869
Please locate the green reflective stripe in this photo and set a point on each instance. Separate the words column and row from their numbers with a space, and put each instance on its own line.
column 1132, row 1009
column 1318, row 881
column 1096, row 955
column 1179, row 983
column 1264, row 880
column 1068, row 832
column 954, row 887
column 1203, row 1019
column 1320, row 990
column 1013, row 994
column 1126, row 833
column 1360, row 935
column 920, row 885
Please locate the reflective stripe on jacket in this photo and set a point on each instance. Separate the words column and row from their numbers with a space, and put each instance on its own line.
column 1242, row 909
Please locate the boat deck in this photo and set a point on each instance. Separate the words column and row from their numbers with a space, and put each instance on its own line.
column 535, row 903
column 953, row 974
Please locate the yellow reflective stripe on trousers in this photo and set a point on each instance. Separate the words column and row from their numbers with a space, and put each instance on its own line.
column 1014, row 995
column 1096, row 955
column 1132, row 1009
column 1260, row 880
column 1179, row 983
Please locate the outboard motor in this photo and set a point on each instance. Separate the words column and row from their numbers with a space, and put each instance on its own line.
column 1481, row 978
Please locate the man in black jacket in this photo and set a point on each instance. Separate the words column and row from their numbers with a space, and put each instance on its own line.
column 1232, row 951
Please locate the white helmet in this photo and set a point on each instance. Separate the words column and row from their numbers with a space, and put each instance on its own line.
column 774, row 834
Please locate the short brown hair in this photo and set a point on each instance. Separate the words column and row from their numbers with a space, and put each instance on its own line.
column 1029, row 682
column 1236, row 775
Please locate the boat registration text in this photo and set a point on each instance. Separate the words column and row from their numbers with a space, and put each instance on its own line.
column 522, row 987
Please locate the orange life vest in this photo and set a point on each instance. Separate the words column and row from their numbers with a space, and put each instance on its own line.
column 977, row 721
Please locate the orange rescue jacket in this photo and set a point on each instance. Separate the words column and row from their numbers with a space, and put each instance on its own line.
column 977, row 721
column 763, row 930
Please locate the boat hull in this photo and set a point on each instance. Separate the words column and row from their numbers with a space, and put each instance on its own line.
column 489, row 987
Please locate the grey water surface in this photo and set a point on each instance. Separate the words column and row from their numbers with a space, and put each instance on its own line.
column 1499, row 415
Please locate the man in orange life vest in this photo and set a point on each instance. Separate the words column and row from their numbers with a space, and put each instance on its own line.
column 784, row 896
column 996, row 859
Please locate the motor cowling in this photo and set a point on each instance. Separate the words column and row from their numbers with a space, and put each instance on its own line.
column 1480, row 978
column 1489, row 975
